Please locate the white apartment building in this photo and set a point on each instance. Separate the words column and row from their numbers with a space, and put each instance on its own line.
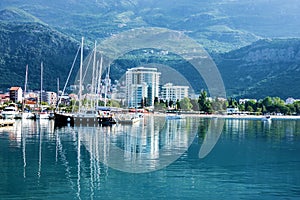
column 15, row 94
column 50, row 98
column 173, row 92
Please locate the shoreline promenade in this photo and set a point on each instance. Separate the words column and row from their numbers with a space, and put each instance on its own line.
column 236, row 116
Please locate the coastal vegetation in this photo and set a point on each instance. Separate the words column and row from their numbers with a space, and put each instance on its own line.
column 267, row 105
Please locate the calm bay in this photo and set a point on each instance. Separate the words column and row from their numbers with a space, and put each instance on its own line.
column 153, row 159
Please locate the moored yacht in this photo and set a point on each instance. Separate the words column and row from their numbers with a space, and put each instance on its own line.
column 10, row 112
column 42, row 115
column 86, row 115
column 266, row 118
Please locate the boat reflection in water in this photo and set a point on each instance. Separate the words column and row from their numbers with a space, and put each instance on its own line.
column 71, row 154
column 79, row 162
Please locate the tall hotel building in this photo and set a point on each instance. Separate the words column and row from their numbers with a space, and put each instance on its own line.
column 141, row 83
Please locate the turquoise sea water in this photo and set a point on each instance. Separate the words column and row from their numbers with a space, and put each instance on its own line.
column 154, row 159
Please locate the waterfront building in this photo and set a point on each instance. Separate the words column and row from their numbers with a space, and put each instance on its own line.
column 170, row 92
column 243, row 101
column 50, row 98
column 139, row 92
column 142, row 84
column 231, row 111
column 15, row 94
column 4, row 98
column 291, row 100
column 119, row 92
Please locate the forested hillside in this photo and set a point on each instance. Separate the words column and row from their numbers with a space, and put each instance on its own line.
column 240, row 36
column 32, row 43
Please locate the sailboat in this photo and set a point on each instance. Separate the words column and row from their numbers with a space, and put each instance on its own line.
column 26, row 115
column 43, row 114
column 84, row 116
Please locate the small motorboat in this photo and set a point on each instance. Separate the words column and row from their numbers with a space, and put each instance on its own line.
column 10, row 112
column 266, row 118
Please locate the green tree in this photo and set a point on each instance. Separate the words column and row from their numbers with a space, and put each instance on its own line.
column 267, row 104
column 160, row 106
column 113, row 103
column 232, row 103
column 218, row 105
column 178, row 106
column 166, row 103
column 291, row 109
column 156, row 100
column 202, row 99
column 186, row 104
column 171, row 103
column 279, row 105
column 297, row 107
column 204, row 103
column 195, row 105
column 241, row 107
column 44, row 103
column 250, row 106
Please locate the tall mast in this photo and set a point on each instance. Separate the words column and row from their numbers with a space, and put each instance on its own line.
column 41, row 98
column 80, row 75
column 106, row 85
column 25, row 87
column 96, row 84
column 93, row 77
column 57, row 96
column 99, row 80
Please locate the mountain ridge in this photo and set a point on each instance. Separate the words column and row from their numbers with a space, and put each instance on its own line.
column 100, row 19
column 252, row 63
column 262, row 68
column 32, row 43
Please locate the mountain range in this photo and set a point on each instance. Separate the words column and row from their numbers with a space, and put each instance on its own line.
column 250, row 41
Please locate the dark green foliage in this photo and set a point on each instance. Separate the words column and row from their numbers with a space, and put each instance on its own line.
column 195, row 105
column 204, row 103
column 33, row 43
column 232, row 103
column 270, row 105
column 218, row 106
column 178, row 106
column 186, row 104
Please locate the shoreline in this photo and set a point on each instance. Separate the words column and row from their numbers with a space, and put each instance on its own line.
column 254, row 117
column 258, row 117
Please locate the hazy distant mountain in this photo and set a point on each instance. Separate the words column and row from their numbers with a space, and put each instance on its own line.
column 36, row 30
column 17, row 15
column 220, row 25
column 211, row 22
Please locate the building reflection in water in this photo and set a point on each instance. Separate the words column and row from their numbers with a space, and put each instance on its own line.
column 89, row 152
column 142, row 147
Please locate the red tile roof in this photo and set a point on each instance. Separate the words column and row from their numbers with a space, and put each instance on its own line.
column 14, row 88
